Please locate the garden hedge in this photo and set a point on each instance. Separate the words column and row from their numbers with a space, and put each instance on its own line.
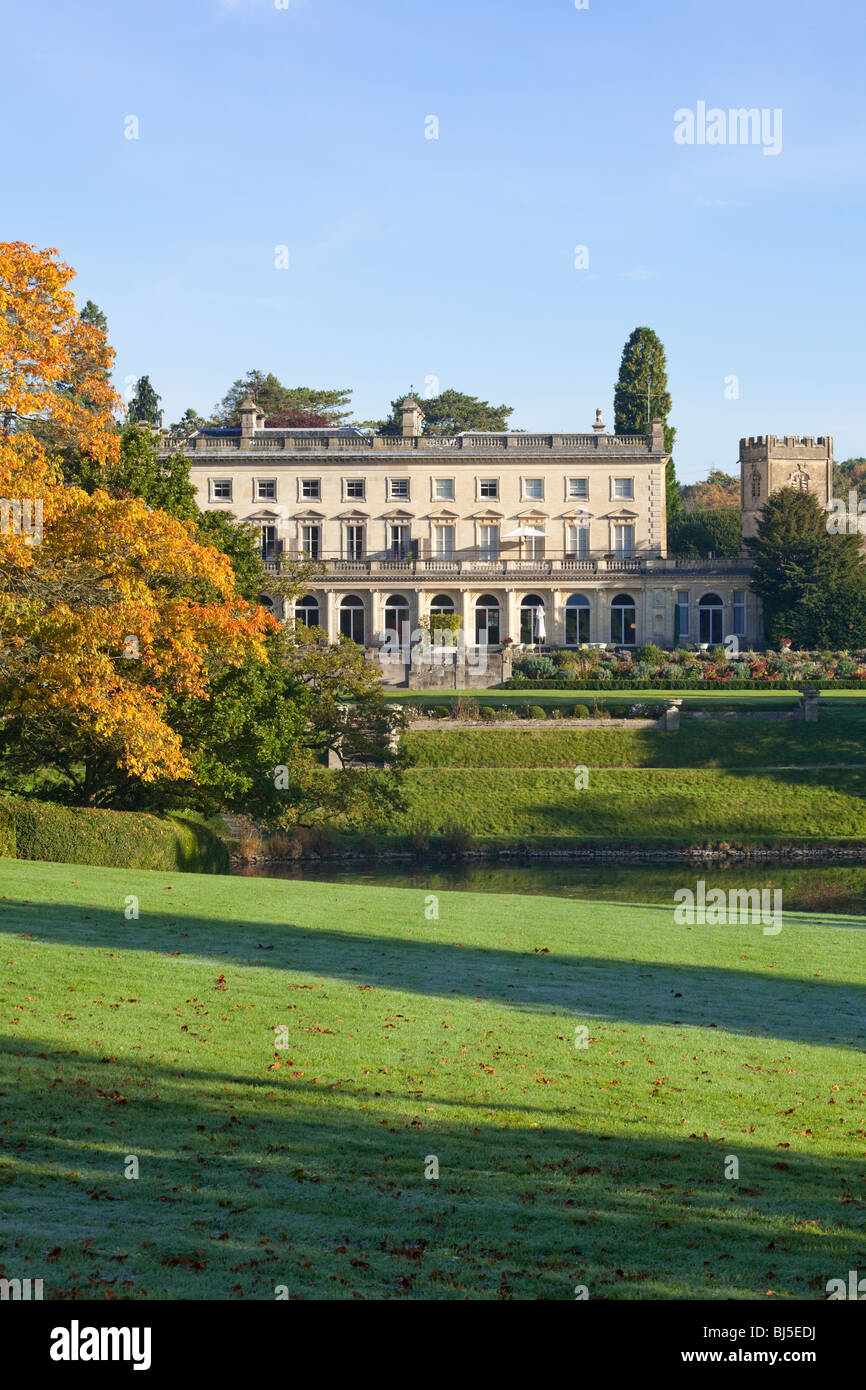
column 518, row 682
column 110, row 839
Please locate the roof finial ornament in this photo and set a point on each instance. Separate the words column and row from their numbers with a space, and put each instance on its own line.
column 599, row 423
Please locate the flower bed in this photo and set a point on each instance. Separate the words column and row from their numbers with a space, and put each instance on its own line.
column 650, row 668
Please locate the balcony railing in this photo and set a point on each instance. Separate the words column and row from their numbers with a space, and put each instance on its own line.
column 472, row 563
column 425, row 443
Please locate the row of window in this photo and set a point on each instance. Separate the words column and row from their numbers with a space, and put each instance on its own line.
column 622, row 628
column 399, row 489
column 443, row 541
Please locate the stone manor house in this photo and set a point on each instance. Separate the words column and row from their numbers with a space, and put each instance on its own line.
column 524, row 535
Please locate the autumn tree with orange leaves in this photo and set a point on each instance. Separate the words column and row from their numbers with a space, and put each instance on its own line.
column 135, row 667
column 118, row 610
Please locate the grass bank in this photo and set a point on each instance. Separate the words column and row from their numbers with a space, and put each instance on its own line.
column 409, row 1039
column 682, row 806
column 75, row 834
column 840, row 738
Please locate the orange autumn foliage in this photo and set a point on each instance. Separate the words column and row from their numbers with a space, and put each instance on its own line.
column 45, row 345
column 117, row 611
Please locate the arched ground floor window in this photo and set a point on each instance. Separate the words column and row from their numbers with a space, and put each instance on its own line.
column 576, row 620
column 711, row 620
column 441, row 604
column 533, row 626
column 307, row 612
column 487, row 620
column 623, row 621
column 396, row 614
column 352, row 618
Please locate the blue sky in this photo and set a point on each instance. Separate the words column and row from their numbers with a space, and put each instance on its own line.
column 413, row 258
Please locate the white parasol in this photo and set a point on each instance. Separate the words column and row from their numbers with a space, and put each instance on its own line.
column 522, row 531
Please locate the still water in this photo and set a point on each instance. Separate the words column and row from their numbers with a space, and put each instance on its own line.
column 817, row 888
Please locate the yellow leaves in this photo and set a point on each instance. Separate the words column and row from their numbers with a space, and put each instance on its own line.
column 118, row 611
column 44, row 345
column 101, row 626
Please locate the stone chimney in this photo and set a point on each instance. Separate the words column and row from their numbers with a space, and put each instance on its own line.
column 249, row 416
column 599, row 423
column 656, row 438
column 412, row 417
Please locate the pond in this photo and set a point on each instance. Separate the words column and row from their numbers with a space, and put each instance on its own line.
column 812, row 888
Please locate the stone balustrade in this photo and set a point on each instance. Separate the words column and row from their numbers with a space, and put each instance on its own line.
column 471, row 443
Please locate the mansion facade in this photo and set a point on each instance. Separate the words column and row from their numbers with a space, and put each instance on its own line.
column 557, row 538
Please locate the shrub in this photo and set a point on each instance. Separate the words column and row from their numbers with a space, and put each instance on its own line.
column 580, row 712
column 112, row 839
column 642, row 670
column 466, row 709
column 535, row 712
column 556, row 713
column 283, row 846
column 455, row 840
column 250, row 846
column 651, row 654
column 487, row 712
column 536, row 667
column 324, row 840
column 7, row 832
column 671, row 672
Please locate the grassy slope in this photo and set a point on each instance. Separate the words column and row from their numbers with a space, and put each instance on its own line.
column 839, row 738
column 678, row 806
column 408, row 1038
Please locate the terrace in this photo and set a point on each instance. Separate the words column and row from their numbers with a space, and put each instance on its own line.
column 477, row 566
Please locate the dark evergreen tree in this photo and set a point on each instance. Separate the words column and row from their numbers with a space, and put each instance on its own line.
column 451, row 412
column 641, row 396
column 144, row 406
column 706, row 531
column 273, row 398
column 812, row 582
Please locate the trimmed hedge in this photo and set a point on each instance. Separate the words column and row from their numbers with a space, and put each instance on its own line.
column 109, row 839
column 685, row 683
column 7, row 832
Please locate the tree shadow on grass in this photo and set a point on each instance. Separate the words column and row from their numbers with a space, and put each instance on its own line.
column 760, row 1004
column 323, row 1190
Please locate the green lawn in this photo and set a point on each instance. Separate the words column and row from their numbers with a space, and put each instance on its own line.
column 681, row 806
column 839, row 738
column 411, row 1038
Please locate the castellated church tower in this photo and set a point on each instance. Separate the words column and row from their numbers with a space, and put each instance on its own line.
column 768, row 463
